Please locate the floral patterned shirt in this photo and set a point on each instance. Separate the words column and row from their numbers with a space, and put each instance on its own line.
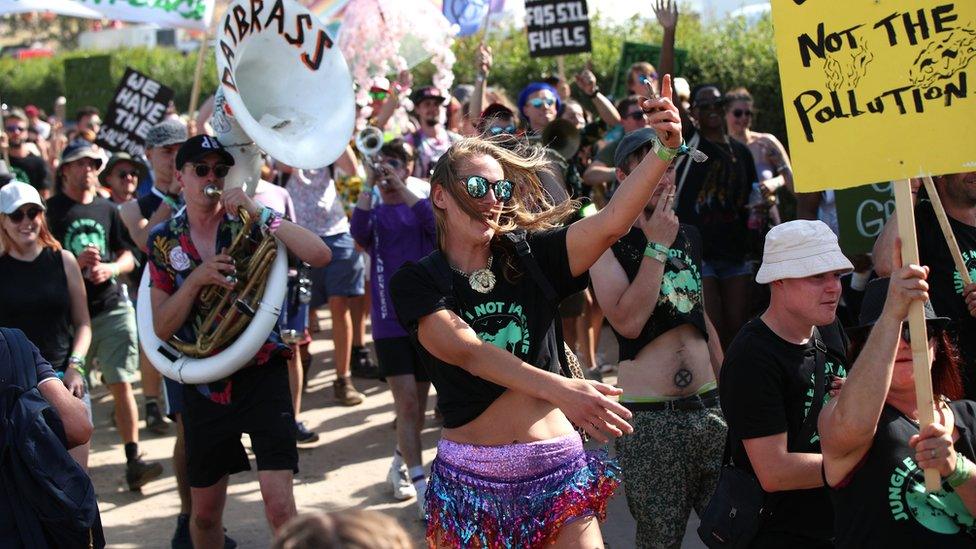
column 172, row 257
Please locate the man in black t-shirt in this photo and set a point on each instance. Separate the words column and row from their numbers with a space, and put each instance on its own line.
column 950, row 297
column 25, row 166
column 649, row 285
column 767, row 383
column 89, row 227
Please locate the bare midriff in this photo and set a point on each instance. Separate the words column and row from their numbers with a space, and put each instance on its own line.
column 675, row 364
column 514, row 417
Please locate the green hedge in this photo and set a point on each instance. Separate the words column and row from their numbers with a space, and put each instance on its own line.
column 728, row 53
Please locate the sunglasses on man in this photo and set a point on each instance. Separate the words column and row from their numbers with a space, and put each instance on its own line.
column 30, row 213
column 637, row 116
column 15, row 129
column 203, row 170
column 496, row 130
column 122, row 174
column 477, row 187
column 539, row 101
column 739, row 113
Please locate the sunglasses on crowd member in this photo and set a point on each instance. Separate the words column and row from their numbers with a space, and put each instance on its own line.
column 495, row 130
column 378, row 95
column 477, row 187
column 30, row 213
column 122, row 174
column 739, row 113
column 394, row 163
column 203, row 170
column 15, row 129
column 636, row 116
column 539, row 101
column 931, row 329
column 711, row 105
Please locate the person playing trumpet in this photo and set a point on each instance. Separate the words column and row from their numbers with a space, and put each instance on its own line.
column 187, row 254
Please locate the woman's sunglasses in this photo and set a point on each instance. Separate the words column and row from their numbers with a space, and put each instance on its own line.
column 739, row 113
column 30, row 213
column 477, row 187
column 495, row 130
column 203, row 170
column 539, row 101
column 931, row 329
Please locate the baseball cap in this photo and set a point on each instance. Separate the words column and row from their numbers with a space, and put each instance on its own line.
column 380, row 83
column 123, row 157
column 197, row 147
column 798, row 249
column 78, row 149
column 31, row 110
column 631, row 143
column 167, row 132
column 427, row 92
column 15, row 194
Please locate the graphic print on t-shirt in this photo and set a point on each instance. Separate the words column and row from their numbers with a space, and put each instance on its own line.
column 82, row 233
column 502, row 324
column 832, row 370
column 969, row 258
column 941, row 512
column 681, row 288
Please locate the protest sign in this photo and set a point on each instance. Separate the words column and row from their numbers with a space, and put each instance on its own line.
column 194, row 14
column 876, row 91
column 557, row 27
column 139, row 104
column 632, row 52
column 87, row 82
column 861, row 214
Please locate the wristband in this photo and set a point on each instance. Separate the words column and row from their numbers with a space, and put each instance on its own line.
column 668, row 154
column 115, row 269
column 962, row 474
column 657, row 252
column 78, row 363
column 265, row 215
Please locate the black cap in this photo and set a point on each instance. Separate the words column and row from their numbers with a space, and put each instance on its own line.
column 875, row 295
column 427, row 92
column 197, row 147
column 631, row 143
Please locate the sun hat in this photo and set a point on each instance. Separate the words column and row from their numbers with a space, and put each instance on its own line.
column 873, row 303
column 122, row 157
column 15, row 194
column 801, row 248
column 78, row 149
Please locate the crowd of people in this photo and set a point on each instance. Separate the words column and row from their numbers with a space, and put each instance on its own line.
column 487, row 244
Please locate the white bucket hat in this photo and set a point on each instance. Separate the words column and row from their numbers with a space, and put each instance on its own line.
column 799, row 249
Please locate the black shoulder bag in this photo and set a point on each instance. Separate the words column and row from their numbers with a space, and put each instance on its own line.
column 737, row 506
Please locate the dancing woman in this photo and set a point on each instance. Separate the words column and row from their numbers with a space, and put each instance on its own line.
column 510, row 469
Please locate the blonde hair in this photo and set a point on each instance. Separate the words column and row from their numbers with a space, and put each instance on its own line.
column 44, row 235
column 351, row 529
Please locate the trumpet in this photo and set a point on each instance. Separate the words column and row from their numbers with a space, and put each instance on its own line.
column 369, row 141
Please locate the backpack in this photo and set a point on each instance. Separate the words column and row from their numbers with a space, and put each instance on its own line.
column 51, row 495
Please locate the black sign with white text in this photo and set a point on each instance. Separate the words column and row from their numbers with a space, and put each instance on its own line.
column 139, row 104
column 557, row 27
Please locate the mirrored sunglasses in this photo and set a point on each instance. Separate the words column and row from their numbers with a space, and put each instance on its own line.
column 539, row 101
column 477, row 187
column 495, row 130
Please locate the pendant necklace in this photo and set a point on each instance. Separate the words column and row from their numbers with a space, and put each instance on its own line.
column 481, row 280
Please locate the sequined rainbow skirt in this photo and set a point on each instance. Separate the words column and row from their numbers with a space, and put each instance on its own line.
column 515, row 496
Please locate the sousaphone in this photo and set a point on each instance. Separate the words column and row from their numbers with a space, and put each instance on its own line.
column 284, row 89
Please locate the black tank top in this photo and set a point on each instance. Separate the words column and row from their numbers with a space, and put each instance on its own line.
column 34, row 298
column 680, row 298
column 884, row 503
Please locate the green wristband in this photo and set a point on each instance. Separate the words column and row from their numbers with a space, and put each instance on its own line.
column 657, row 252
column 963, row 472
column 78, row 363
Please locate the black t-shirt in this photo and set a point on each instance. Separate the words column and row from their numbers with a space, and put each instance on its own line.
column 34, row 298
column 76, row 225
column 884, row 502
column 946, row 284
column 713, row 198
column 31, row 169
column 680, row 298
column 766, row 388
column 514, row 317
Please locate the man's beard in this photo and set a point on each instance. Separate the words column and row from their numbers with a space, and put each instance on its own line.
column 431, row 122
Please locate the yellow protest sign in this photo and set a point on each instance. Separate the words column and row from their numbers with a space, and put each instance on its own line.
column 877, row 90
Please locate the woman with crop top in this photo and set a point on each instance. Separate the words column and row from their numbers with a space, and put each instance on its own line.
column 43, row 293
column 874, row 453
column 510, row 469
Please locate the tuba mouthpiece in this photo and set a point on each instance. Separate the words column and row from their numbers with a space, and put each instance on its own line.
column 212, row 191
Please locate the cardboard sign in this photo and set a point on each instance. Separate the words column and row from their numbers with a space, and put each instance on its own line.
column 877, row 91
column 632, row 52
column 861, row 215
column 139, row 104
column 557, row 27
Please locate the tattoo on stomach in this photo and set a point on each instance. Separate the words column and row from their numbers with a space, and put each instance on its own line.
column 683, row 378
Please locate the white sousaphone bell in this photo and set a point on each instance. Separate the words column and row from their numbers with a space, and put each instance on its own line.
column 285, row 89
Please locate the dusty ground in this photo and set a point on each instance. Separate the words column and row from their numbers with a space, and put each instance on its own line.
column 346, row 468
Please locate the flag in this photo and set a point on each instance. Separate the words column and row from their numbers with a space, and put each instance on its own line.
column 469, row 15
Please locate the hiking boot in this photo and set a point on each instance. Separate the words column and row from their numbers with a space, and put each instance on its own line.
column 303, row 435
column 361, row 365
column 399, row 480
column 154, row 419
column 345, row 393
column 139, row 472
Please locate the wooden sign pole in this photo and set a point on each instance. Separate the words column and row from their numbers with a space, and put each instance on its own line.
column 916, row 321
column 197, row 75
column 950, row 237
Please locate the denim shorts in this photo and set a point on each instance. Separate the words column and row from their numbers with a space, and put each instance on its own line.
column 723, row 269
column 344, row 276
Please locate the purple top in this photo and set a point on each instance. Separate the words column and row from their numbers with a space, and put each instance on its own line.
column 392, row 235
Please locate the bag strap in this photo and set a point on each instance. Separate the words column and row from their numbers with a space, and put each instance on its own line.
column 686, row 160
column 440, row 272
column 820, row 373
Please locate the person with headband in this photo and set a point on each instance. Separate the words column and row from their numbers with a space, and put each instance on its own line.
column 510, row 468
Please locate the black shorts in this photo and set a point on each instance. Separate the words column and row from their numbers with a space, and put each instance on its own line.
column 397, row 357
column 261, row 407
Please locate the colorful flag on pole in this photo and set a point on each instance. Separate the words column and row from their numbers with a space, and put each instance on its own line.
column 192, row 14
column 469, row 15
